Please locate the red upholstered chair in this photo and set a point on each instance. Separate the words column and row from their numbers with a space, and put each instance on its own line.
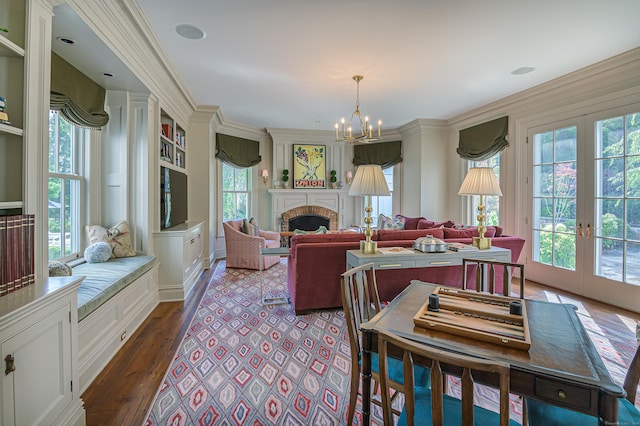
column 243, row 251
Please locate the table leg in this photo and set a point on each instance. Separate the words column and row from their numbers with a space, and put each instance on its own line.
column 608, row 410
column 365, row 374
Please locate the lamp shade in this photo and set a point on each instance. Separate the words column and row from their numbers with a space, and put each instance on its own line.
column 369, row 180
column 480, row 181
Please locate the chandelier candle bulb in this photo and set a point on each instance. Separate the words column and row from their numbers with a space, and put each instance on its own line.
column 337, row 131
column 379, row 127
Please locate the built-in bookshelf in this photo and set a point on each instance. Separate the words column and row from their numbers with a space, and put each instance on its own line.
column 12, row 70
column 173, row 142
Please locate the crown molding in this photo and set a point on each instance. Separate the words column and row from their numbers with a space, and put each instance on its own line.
column 618, row 73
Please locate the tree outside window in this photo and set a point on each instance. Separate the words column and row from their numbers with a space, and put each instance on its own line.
column 235, row 192
column 64, row 197
column 491, row 203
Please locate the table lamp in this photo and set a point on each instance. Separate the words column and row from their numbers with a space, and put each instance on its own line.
column 369, row 180
column 480, row 181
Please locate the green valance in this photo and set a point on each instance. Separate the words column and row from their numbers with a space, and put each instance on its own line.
column 237, row 151
column 484, row 140
column 78, row 98
column 384, row 154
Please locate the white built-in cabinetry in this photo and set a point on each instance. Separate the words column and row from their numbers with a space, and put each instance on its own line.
column 38, row 345
column 173, row 142
column 179, row 251
column 12, row 63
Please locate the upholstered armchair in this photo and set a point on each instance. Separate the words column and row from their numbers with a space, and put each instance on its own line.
column 243, row 251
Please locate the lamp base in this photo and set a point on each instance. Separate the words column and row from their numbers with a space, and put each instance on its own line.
column 368, row 247
column 482, row 243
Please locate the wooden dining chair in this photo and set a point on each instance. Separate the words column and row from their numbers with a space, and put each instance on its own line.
column 431, row 405
column 361, row 302
column 540, row 413
column 486, row 270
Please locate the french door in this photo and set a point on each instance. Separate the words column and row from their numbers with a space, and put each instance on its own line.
column 584, row 213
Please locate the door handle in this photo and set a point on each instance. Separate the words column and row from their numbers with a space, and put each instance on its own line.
column 588, row 231
column 10, row 365
column 579, row 230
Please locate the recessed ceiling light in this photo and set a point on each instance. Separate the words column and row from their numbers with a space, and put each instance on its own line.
column 190, row 32
column 66, row 40
column 523, row 70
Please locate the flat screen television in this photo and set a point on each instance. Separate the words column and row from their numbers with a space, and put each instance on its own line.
column 173, row 198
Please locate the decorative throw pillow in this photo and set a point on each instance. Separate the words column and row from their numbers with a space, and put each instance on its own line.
column 59, row 269
column 396, row 223
column 117, row 237
column 97, row 252
column 250, row 227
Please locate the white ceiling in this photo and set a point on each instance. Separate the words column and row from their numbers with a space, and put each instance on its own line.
column 288, row 64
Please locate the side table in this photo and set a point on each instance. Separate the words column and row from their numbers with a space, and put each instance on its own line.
column 279, row 300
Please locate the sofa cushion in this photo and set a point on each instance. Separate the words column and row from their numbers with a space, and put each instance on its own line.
column 408, row 234
column 426, row 224
column 326, row 238
column 468, row 232
column 411, row 222
column 103, row 280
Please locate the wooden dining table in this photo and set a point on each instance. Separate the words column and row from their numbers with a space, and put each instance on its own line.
column 562, row 366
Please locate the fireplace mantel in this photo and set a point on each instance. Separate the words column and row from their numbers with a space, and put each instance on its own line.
column 286, row 199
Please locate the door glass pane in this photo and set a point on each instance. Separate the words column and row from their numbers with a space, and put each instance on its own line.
column 555, row 191
column 617, row 203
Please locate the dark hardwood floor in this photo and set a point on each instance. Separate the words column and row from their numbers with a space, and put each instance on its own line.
column 124, row 390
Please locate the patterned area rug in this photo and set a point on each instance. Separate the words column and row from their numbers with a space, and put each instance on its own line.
column 244, row 364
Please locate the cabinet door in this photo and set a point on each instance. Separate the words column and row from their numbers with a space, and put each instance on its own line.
column 39, row 388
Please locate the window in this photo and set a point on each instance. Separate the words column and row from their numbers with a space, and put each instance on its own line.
column 64, row 192
column 491, row 203
column 235, row 192
column 383, row 204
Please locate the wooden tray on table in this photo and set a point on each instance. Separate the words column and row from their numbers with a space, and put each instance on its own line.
column 476, row 315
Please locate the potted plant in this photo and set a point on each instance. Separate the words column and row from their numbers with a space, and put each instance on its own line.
column 333, row 179
column 285, row 178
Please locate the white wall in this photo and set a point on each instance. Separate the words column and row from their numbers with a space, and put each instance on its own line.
column 613, row 82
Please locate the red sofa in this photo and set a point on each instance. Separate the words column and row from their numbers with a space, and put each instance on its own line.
column 316, row 262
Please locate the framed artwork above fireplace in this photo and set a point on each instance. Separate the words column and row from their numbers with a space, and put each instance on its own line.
column 309, row 166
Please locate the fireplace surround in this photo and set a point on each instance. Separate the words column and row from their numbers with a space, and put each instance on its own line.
column 329, row 203
column 309, row 218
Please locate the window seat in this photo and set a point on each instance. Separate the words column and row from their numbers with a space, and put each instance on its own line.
column 113, row 300
column 104, row 280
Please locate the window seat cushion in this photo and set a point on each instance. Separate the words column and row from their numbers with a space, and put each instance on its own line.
column 103, row 280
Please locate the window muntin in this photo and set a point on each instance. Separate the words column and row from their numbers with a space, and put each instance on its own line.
column 235, row 192
column 64, row 188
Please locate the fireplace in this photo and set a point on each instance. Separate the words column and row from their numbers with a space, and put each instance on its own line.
column 309, row 218
column 289, row 203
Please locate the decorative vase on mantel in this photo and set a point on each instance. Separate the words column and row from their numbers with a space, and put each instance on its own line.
column 285, row 178
column 333, row 179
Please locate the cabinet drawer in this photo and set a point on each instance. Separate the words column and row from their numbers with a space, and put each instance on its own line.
column 438, row 261
column 393, row 264
column 562, row 393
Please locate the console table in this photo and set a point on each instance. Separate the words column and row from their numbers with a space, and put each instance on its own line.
column 418, row 259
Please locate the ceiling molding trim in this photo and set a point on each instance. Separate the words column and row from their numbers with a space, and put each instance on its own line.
column 122, row 27
column 618, row 73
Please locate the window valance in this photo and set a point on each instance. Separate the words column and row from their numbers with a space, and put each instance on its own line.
column 237, row 151
column 385, row 154
column 484, row 140
column 79, row 99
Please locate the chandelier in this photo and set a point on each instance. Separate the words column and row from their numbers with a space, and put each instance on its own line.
column 346, row 134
